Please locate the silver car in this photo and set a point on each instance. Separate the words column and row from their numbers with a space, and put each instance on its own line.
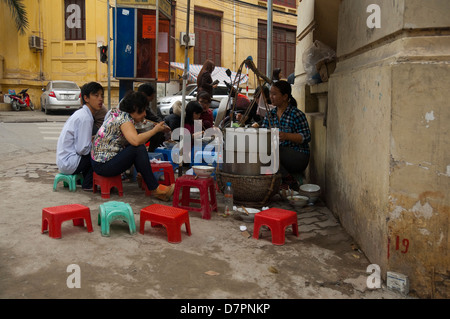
column 60, row 95
column 164, row 104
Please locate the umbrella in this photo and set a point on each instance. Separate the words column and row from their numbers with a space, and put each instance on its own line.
column 219, row 73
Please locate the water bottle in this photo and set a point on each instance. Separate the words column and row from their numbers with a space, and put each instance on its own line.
column 228, row 195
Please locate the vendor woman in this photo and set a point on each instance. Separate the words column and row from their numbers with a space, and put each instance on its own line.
column 117, row 145
column 294, row 133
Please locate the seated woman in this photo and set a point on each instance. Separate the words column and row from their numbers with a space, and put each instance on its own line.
column 207, row 117
column 193, row 112
column 117, row 145
column 294, row 133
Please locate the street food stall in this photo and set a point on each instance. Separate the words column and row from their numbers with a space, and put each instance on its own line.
column 250, row 155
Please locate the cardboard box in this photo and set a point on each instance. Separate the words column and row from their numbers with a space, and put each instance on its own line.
column 326, row 68
column 398, row 282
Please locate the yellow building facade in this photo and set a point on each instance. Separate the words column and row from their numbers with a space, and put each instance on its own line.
column 240, row 28
column 23, row 66
column 59, row 59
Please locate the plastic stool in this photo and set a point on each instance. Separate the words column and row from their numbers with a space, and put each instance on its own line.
column 170, row 217
column 167, row 169
column 68, row 180
column 106, row 183
column 53, row 217
column 277, row 220
column 111, row 211
column 208, row 203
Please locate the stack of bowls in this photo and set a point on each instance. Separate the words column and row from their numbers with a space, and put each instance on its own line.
column 311, row 191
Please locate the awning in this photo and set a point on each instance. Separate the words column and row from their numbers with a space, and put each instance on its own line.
column 218, row 73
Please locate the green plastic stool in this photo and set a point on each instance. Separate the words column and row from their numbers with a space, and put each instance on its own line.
column 111, row 211
column 68, row 180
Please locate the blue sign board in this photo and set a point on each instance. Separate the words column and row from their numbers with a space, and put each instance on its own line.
column 125, row 43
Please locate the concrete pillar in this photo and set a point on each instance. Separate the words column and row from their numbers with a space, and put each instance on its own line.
column 387, row 160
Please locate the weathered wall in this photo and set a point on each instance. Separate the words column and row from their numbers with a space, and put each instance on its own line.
column 357, row 161
column 387, row 163
column 419, row 195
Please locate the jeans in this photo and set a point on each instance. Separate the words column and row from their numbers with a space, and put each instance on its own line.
column 292, row 161
column 130, row 155
column 85, row 168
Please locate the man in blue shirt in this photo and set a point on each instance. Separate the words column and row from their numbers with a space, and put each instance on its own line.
column 75, row 141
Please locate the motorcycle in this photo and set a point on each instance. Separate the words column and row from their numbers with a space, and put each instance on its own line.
column 20, row 100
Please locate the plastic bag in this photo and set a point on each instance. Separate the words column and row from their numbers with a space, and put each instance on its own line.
column 314, row 54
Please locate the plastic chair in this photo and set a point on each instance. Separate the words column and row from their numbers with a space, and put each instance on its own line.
column 170, row 217
column 53, row 217
column 106, row 183
column 207, row 199
column 167, row 170
column 111, row 211
column 68, row 180
column 277, row 220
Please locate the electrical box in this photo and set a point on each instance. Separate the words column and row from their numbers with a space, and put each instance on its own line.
column 36, row 43
column 191, row 42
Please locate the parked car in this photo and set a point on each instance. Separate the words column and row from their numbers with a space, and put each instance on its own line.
column 164, row 104
column 60, row 95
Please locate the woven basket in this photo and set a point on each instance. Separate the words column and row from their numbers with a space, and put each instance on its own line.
column 250, row 190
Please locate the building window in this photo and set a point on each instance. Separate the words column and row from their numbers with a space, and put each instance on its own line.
column 74, row 19
column 283, row 50
column 208, row 37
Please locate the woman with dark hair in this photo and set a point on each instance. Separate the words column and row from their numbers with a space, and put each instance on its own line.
column 276, row 75
column 204, row 78
column 207, row 116
column 117, row 145
column 293, row 131
column 193, row 112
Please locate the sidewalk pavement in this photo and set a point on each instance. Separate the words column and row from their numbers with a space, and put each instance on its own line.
column 28, row 116
column 218, row 261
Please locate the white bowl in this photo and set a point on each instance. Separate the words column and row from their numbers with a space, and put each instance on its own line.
column 203, row 171
column 143, row 127
column 310, row 188
column 298, row 200
column 251, row 213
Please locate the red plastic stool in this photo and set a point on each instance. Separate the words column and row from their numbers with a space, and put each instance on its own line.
column 106, row 183
column 208, row 203
column 172, row 218
column 53, row 217
column 277, row 220
column 167, row 168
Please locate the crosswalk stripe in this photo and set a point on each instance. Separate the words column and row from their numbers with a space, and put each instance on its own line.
column 49, row 130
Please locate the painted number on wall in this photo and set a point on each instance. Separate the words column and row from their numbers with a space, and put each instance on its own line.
column 399, row 244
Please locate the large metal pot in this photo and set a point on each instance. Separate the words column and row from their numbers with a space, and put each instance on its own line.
column 249, row 152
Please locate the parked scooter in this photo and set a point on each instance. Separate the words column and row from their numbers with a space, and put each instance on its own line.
column 20, row 100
